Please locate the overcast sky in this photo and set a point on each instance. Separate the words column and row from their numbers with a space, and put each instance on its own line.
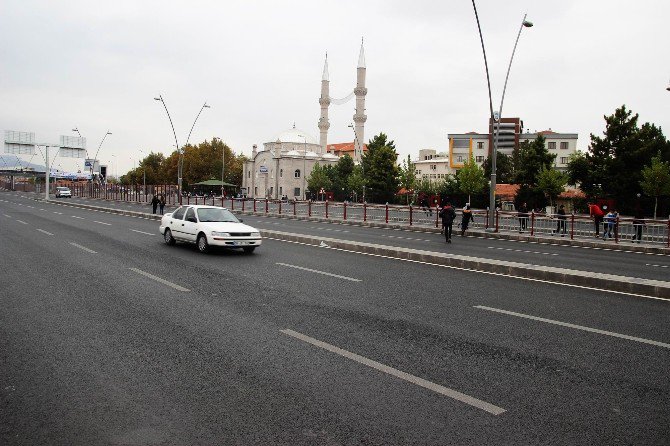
column 97, row 65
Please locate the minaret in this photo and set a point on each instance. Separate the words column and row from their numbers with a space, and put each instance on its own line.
column 359, row 118
column 324, row 101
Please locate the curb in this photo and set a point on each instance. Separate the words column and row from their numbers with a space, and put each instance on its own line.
column 623, row 284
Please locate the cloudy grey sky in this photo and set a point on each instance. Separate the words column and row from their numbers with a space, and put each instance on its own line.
column 98, row 65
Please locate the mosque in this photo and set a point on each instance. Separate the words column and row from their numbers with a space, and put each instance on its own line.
column 283, row 166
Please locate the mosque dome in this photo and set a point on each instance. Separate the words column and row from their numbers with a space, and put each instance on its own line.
column 311, row 154
column 292, row 153
column 297, row 136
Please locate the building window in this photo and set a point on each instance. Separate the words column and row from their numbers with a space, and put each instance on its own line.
column 564, row 146
column 296, row 174
column 281, row 173
column 296, row 192
column 460, row 158
column 255, row 191
column 479, row 159
column 552, row 145
column 280, row 191
column 480, row 145
column 433, row 166
column 564, row 160
column 248, row 174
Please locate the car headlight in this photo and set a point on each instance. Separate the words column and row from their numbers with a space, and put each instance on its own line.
column 255, row 234
column 220, row 234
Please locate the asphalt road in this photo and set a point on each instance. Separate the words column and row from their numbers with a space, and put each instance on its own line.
column 602, row 259
column 111, row 337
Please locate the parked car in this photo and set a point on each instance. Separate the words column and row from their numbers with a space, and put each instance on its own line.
column 208, row 226
column 63, row 192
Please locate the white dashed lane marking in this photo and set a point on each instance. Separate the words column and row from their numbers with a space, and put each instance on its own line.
column 22, row 222
column 44, row 232
column 657, row 266
column 83, row 248
column 80, row 218
column 442, row 390
column 523, row 250
column 142, row 232
column 102, row 223
column 319, row 272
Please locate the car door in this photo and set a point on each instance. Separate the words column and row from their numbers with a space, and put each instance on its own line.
column 176, row 223
column 190, row 225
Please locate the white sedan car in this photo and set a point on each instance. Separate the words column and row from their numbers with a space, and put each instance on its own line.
column 208, row 226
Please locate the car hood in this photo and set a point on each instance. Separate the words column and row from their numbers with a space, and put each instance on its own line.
column 226, row 227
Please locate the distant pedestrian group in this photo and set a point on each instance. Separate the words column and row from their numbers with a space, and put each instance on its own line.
column 158, row 201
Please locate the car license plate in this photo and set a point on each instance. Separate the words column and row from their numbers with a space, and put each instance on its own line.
column 241, row 243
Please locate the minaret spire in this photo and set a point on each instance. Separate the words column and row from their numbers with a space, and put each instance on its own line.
column 359, row 118
column 324, row 102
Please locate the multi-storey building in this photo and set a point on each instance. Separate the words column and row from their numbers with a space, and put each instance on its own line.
column 431, row 165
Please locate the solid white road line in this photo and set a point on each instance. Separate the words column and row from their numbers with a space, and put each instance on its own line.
column 577, row 327
column 21, row 221
column 451, row 393
column 142, row 232
column 44, row 232
column 83, row 247
column 158, row 279
column 319, row 272
column 102, row 223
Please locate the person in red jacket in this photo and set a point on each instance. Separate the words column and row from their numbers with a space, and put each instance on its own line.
column 597, row 214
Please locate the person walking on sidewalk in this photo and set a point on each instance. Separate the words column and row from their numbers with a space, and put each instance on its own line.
column 560, row 216
column 610, row 222
column 154, row 203
column 161, row 202
column 523, row 217
column 597, row 214
column 448, row 215
column 466, row 218
column 638, row 223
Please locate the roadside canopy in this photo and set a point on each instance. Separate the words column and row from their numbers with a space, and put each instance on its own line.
column 214, row 183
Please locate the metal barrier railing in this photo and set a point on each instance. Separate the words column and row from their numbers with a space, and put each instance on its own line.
column 623, row 230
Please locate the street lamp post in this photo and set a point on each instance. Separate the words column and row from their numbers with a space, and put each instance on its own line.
column 180, row 161
column 496, row 118
column 98, row 151
column 351, row 126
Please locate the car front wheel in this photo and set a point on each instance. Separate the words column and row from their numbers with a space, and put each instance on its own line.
column 203, row 246
column 167, row 236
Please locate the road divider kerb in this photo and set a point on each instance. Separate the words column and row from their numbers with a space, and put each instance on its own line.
column 622, row 284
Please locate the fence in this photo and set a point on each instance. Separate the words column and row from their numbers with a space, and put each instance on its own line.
column 649, row 231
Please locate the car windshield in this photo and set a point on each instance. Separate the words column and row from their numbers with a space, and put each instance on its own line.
column 216, row 214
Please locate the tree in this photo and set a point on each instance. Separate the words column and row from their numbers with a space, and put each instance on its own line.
column 504, row 168
column 470, row 178
column 551, row 182
column 656, row 179
column 355, row 182
column 615, row 160
column 578, row 168
column 533, row 156
column 408, row 176
column 319, row 179
column 381, row 170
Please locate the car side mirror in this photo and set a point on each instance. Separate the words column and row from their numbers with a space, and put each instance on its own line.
column 240, row 220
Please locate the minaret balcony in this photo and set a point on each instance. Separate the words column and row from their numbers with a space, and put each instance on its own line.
column 360, row 91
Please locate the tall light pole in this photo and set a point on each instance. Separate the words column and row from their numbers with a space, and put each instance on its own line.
column 304, row 166
column 351, row 126
column 98, row 151
column 179, row 161
column 495, row 119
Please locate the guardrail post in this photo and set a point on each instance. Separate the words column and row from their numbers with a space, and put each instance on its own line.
column 232, row 204
column 497, row 220
column 254, row 204
column 410, row 215
column 365, row 212
column 294, row 212
column 243, row 201
column 437, row 217
column 326, row 208
column 345, row 211
column 266, row 205
column 532, row 223
column 279, row 207
column 387, row 213
column 668, row 243
column 572, row 226
column 486, row 225
column 309, row 208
